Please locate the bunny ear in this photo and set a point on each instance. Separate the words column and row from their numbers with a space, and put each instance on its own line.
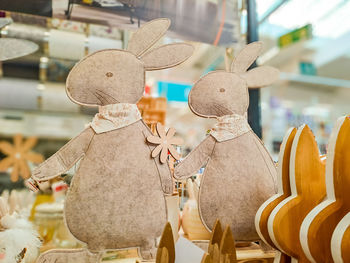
column 167, row 56
column 246, row 57
column 260, row 76
column 147, row 35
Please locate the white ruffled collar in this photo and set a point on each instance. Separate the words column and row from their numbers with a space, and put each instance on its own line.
column 229, row 127
column 115, row 116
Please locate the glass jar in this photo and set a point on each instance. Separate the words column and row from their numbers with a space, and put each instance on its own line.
column 50, row 225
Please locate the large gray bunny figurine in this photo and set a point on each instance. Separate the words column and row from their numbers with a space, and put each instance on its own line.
column 239, row 174
column 116, row 198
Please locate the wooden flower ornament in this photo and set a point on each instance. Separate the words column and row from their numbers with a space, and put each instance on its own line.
column 18, row 156
column 165, row 141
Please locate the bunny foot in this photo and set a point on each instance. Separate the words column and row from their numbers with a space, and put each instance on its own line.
column 69, row 256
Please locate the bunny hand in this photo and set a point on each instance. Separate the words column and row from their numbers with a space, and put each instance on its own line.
column 196, row 159
column 65, row 158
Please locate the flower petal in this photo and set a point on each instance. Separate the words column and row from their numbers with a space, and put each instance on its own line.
column 17, row 141
column 14, row 173
column 24, row 169
column 33, row 157
column 29, row 144
column 176, row 141
column 163, row 155
column 157, row 150
column 154, row 139
column 170, row 133
column 173, row 152
column 161, row 130
column 6, row 148
column 6, row 163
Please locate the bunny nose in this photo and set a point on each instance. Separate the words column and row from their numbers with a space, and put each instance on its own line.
column 109, row 74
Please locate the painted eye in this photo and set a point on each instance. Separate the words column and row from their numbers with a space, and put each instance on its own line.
column 109, row 74
column 222, row 90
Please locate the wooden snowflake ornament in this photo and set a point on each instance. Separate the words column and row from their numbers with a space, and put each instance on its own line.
column 18, row 156
column 165, row 141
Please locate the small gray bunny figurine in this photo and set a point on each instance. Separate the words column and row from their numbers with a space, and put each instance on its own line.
column 239, row 174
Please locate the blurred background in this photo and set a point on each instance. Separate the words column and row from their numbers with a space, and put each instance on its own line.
column 302, row 38
column 307, row 40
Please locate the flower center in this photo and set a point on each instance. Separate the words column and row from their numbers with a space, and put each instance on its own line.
column 18, row 156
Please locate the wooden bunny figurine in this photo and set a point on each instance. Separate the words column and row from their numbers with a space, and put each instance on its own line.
column 308, row 189
column 318, row 226
column 240, row 174
column 340, row 242
column 116, row 198
column 284, row 191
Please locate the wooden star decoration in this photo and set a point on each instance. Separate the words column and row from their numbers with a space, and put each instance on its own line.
column 165, row 141
column 18, row 156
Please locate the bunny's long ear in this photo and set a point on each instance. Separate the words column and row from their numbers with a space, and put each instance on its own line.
column 246, row 57
column 167, row 56
column 260, row 76
column 147, row 35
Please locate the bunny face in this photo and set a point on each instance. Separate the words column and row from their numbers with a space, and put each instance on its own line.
column 107, row 77
column 219, row 93
column 118, row 76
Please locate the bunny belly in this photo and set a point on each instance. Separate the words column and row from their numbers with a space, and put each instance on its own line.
column 238, row 178
column 115, row 199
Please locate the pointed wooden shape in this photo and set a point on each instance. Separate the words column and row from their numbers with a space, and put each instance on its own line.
column 284, row 191
column 166, row 241
column 227, row 247
column 318, row 226
column 215, row 256
column 164, row 255
column 216, row 236
column 308, row 189
column 206, row 258
column 282, row 258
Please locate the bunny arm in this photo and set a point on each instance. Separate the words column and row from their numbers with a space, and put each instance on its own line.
column 196, row 159
column 65, row 158
column 163, row 170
